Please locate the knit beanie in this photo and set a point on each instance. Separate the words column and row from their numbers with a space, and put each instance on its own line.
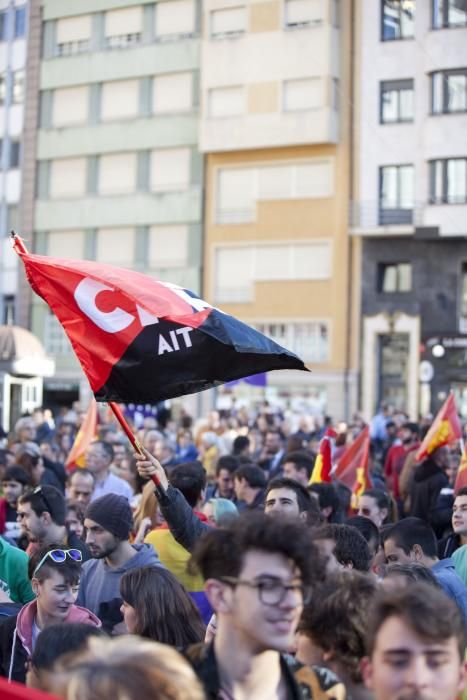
column 113, row 513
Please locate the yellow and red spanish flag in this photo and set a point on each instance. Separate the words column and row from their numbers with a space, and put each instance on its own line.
column 445, row 429
column 353, row 467
column 323, row 463
column 86, row 434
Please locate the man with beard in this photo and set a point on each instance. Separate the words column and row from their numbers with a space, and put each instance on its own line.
column 415, row 646
column 108, row 522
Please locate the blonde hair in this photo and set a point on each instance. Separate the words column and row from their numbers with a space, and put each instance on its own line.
column 147, row 507
column 127, row 668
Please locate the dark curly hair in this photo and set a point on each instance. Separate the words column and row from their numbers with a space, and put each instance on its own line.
column 221, row 552
column 336, row 618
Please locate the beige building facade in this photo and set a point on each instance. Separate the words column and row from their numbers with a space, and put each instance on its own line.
column 275, row 127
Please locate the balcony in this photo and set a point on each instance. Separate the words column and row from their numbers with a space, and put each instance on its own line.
column 369, row 218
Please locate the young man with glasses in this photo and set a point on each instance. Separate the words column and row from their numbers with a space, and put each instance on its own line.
column 42, row 514
column 54, row 574
column 258, row 574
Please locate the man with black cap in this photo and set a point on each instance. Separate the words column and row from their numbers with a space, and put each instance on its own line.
column 108, row 522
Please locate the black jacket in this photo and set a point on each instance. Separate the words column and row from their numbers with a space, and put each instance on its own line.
column 428, row 481
column 7, row 638
column 448, row 545
column 303, row 682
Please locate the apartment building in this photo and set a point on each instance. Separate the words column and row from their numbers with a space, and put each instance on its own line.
column 409, row 205
column 274, row 127
column 13, row 52
column 118, row 174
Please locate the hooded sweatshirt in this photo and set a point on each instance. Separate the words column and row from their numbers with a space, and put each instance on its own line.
column 99, row 587
column 428, row 481
column 16, row 635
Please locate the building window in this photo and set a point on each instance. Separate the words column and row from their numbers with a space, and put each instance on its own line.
column 55, row 338
column 123, row 28
column 304, row 94
column 394, row 277
column 15, row 155
column 70, row 106
column 18, row 86
column 463, row 300
column 175, row 19
column 170, row 169
column 66, row 244
column 449, row 13
column 309, row 340
column 3, row 89
column 68, row 178
column 303, row 13
column 120, row 100
column 238, row 268
column 238, row 189
column 73, row 35
column 449, row 91
column 398, row 19
column 117, row 173
column 397, row 101
column 172, row 93
column 448, row 181
column 396, row 194
column 116, row 246
column 20, row 22
column 229, row 22
column 226, row 102
column 168, row 246
column 8, row 309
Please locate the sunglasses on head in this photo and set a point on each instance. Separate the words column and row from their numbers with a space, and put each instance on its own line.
column 59, row 556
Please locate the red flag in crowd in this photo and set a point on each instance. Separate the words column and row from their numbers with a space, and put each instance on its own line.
column 445, row 429
column 461, row 478
column 353, row 467
column 140, row 340
column 86, row 434
column 323, row 463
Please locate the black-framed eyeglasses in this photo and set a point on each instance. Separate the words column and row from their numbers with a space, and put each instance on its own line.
column 271, row 591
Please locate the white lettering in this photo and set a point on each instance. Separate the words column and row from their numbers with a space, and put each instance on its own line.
column 197, row 303
column 109, row 321
column 174, row 340
column 164, row 346
column 185, row 332
column 146, row 319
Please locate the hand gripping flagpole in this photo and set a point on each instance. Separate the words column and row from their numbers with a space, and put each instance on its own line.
column 20, row 248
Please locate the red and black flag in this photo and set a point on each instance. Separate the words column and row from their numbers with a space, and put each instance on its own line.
column 140, row 340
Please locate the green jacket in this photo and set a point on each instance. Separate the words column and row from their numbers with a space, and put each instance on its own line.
column 14, row 580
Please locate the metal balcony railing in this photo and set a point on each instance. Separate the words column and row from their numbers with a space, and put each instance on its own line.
column 372, row 214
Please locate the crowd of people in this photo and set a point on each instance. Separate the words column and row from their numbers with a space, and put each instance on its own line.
column 210, row 565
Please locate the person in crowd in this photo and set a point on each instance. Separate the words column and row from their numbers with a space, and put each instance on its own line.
column 370, row 532
column 329, row 502
column 190, row 480
column 14, row 483
column 342, row 547
column 42, row 513
column 147, row 515
column 120, row 453
column 209, row 452
column 14, row 580
column 429, row 478
column 108, row 522
column 258, row 573
column 249, row 484
column 81, row 486
column 52, row 643
column 164, row 451
column 54, row 575
column 376, row 505
column 241, row 447
column 99, row 458
column 25, row 430
column 40, row 471
column 270, row 457
column 186, row 449
column 219, row 510
column 75, row 518
column 448, row 545
column 155, row 605
column 412, row 539
column 403, row 574
column 287, row 497
column 415, row 646
column 407, row 441
column 298, row 466
column 332, row 628
column 223, row 486
column 128, row 668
